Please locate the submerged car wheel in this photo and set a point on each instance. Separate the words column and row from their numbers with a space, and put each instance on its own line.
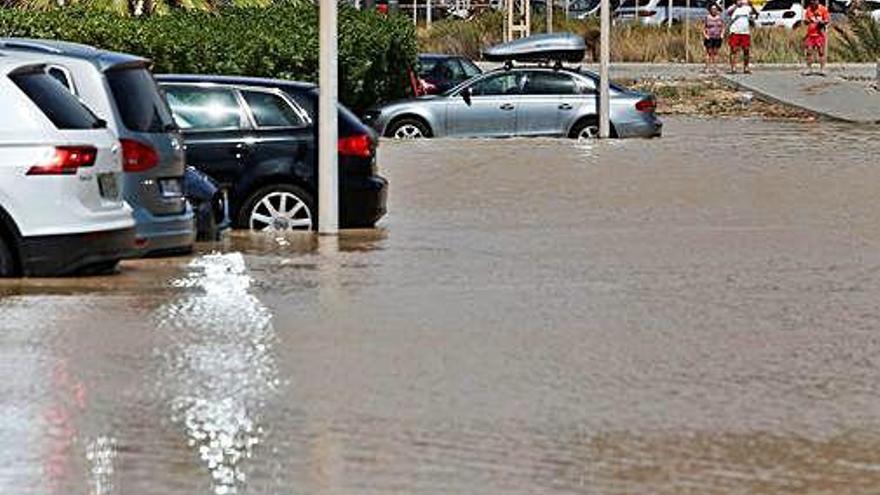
column 586, row 129
column 7, row 263
column 408, row 129
column 278, row 208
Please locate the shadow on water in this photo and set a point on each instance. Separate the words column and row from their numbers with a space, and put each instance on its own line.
column 149, row 275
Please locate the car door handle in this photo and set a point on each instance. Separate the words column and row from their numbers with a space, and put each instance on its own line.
column 240, row 149
column 507, row 106
column 565, row 106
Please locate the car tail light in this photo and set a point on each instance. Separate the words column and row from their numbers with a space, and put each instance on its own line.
column 788, row 14
column 647, row 13
column 646, row 105
column 137, row 156
column 65, row 160
column 359, row 145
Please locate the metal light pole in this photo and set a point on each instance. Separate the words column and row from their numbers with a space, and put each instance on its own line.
column 669, row 15
column 549, row 6
column 428, row 14
column 604, row 57
column 687, row 31
column 328, row 161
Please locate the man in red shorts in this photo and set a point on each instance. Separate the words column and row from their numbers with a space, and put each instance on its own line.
column 816, row 18
column 741, row 15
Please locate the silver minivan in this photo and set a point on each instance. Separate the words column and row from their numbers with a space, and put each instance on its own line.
column 120, row 89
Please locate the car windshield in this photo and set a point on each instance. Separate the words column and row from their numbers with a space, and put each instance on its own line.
column 137, row 97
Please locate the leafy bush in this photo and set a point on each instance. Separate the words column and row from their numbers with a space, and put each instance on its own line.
column 280, row 41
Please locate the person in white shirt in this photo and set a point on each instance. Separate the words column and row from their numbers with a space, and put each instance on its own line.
column 741, row 16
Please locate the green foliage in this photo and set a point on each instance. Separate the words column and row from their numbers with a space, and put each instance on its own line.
column 861, row 42
column 280, row 40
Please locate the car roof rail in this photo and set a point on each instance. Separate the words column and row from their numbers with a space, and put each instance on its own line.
column 29, row 45
column 554, row 64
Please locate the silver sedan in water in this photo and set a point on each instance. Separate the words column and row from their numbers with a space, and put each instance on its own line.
column 519, row 101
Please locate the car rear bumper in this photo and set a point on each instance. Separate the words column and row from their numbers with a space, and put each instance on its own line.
column 161, row 235
column 363, row 201
column 58, row 255
column 647, row 128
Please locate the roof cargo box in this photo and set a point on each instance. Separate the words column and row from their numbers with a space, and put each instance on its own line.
column 551, row 47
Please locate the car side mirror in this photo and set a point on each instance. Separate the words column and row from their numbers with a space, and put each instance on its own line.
column 466, row 96
column 100, row 124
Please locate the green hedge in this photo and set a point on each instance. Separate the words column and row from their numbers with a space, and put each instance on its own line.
column 276, row 41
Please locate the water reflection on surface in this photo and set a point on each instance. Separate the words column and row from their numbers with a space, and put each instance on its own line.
column 695, row 314
column 220, row 369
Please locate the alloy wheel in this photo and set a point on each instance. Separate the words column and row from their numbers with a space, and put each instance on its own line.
column 408, row 131
column 588, row 132
column 280, row 211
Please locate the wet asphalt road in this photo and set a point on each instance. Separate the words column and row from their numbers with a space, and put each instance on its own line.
column 696, row 314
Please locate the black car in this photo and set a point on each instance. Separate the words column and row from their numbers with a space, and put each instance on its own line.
column 258, row 139
column 438, row 73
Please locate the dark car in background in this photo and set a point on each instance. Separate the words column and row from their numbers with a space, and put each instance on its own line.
column 258, row 139
column 440, row 73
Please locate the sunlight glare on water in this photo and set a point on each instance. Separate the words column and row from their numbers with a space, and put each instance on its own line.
column 220, row 367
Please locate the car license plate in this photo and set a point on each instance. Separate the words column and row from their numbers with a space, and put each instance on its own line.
column 171, row 188
column 108, row 186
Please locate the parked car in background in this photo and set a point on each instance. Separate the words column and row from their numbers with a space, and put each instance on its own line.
column 208, row 203
column 61, row 209
column 657, row 12
column 781, row 13
column 258, row 139
column 871, row 8
column 521, row 101
column 577, row 9
column 438, row 73
column 120, row 89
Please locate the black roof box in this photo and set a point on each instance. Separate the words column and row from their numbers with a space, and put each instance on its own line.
column 550, row 47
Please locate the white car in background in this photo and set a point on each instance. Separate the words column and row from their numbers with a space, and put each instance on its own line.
column 781, row 13
column 61, row 208
column 873, row 8
column 657, row 12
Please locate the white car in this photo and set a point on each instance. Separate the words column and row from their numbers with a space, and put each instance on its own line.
column 658, row 13
column 781, row 13
column 61, row 208
column 873, row 9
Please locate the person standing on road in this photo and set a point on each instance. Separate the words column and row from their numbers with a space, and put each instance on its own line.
column 816, row 18
column 741, row 15
column 713, row 32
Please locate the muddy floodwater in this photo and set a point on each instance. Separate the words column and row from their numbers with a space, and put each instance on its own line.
column 696, row 314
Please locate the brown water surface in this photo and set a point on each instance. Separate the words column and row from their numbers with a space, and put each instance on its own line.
column 695, row 314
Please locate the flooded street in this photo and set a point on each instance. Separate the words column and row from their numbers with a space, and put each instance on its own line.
column 695, row 314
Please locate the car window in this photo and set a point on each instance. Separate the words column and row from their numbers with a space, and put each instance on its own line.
column 202, row 108
column 505, row 83
column 587, row 85
column 549, row 83
column 60, row 75
column 470, row 68
column 138, row 100
column 426, row 65
column 63, row 109
column 271, row 110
